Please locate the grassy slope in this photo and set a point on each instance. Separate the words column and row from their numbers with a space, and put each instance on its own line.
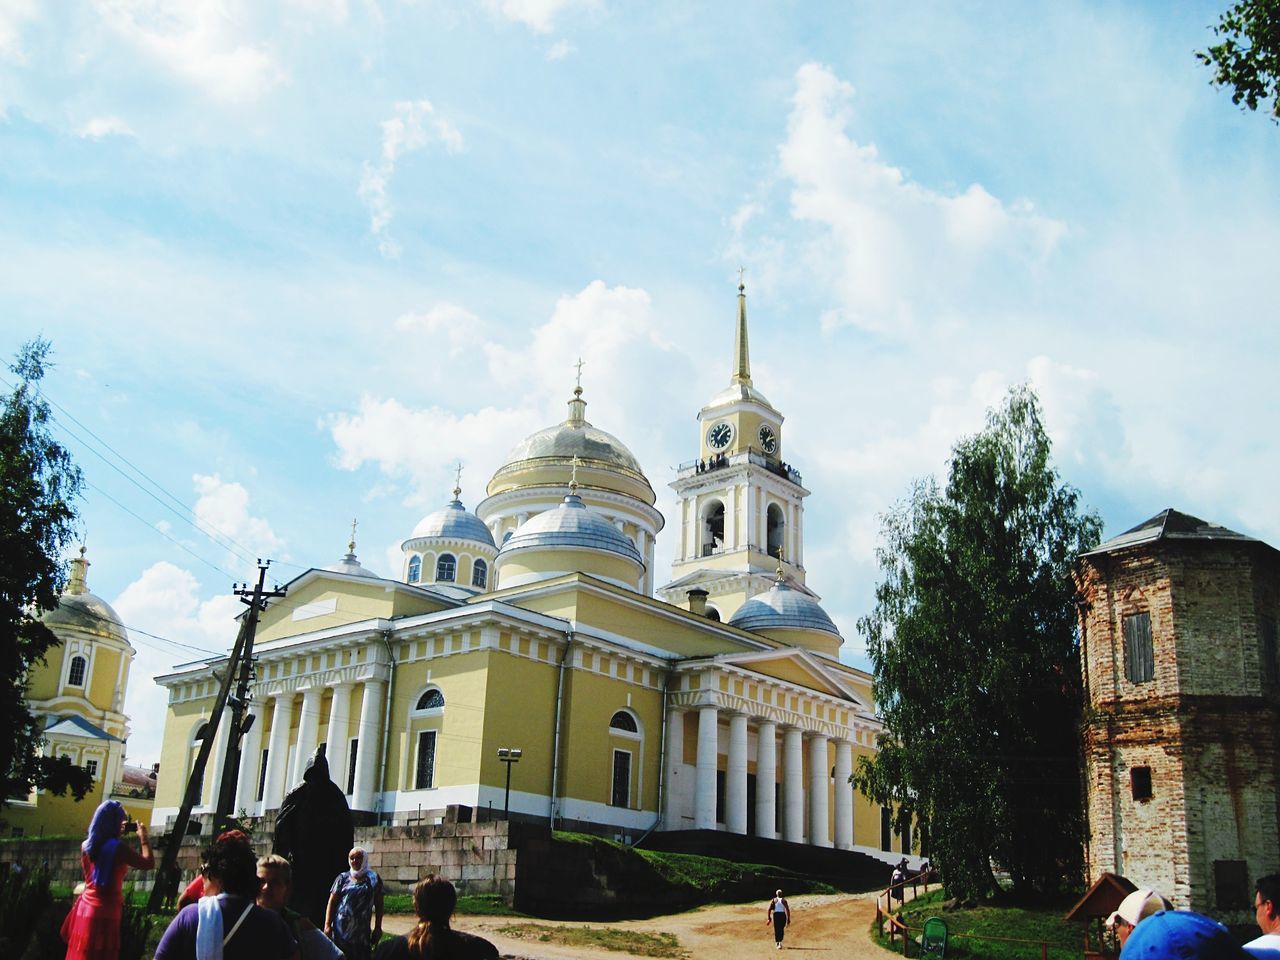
column 1064, row 939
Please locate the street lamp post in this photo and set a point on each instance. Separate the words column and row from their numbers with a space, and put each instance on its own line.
column 508, row 755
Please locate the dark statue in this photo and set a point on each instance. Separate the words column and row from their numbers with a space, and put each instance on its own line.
column 313, row 829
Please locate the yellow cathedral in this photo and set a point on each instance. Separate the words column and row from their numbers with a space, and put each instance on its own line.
column 715, row 701
column 77, row 694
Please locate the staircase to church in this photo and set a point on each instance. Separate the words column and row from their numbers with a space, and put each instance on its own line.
column 848, row 869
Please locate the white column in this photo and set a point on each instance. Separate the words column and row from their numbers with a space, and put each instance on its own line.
column 250, row 757
column 793, row 785
column 672, row 812
column 308, row 732
column 278, row 751
column 819, row 778
column 704, row 792
column 339, row 734
column 766, row 778
column 213, row 772
column 731, row 518
column 844, row 795
column 735, row 776
column 367, row 759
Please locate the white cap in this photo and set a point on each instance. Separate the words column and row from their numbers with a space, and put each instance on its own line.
column 1137, row 906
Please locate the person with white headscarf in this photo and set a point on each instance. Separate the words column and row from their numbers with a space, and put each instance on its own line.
column 355, row 899
column 226, row 924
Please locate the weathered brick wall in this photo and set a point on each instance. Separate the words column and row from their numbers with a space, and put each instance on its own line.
column 475, row 857
column 1205, row 725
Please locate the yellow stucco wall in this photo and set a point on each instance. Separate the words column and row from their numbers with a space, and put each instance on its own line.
column 354, row 601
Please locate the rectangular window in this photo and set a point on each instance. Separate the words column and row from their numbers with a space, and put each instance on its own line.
column 886, row 828
column 1267, row 639
column 1231, row 884
column 1139, row 657
column 262, row 775
column 719, row 796
column 92, row 767
column 351, row 765
column 906, row 839
column 1140, row 782
column 621, row 796
column 426, row 773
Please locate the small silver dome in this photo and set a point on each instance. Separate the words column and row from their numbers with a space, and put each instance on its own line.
column 82, row 610
column 571, row 525
column 781, row 608
column 454, row 522
column 352, row 567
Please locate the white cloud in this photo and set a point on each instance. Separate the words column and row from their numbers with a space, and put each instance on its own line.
column 896, row 253
column 165, row 601
column 560, row 49
column 99, row 127
column 414, row 125
column 222, row 509
column 538, row 15
column 199, row 41
column 456, row 325
column 14, row 15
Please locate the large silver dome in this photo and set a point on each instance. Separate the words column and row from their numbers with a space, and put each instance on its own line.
column 781, row 608
column 571, row 525
column 454, row 522
column 578, row 439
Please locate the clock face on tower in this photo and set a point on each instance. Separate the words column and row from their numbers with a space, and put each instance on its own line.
column 718, row 436
column 768, row 439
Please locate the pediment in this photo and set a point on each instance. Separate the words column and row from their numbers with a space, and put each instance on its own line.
column 795, row 666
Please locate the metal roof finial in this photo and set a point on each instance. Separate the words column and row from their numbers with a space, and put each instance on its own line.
column 573, row 478
column 457, row 481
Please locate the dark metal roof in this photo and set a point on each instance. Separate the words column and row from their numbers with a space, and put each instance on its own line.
column 1170, row 524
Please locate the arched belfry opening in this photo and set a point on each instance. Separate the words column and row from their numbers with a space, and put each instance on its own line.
column 713, row 528
column 776, row 530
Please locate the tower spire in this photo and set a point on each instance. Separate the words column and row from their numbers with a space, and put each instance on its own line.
column 577, row 406
column 741, row 349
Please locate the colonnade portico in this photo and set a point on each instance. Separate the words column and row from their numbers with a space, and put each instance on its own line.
column 302, row 698
column 805, row 814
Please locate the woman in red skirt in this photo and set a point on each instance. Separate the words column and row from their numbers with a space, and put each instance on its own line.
column 92, row 928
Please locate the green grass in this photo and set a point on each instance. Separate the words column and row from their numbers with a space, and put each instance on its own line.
column 1040, row 924
column 623, row 941
column 480, row 905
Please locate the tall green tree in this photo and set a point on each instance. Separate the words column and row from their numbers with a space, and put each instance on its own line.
column 1246, row 57
column 39, row 484
column 974, row 643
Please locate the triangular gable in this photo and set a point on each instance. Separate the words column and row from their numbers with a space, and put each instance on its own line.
column 73, row 726
column 793, row 665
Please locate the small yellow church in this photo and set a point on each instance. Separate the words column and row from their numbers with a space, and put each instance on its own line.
column 713, row 701
column 77, row 694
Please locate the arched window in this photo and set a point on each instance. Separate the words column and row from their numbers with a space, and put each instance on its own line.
column 432, row 699
column 713, row 528
column 415, row 569
column 776, row 529
column 200, row 733
column 713, row 614
column 446, row 568
column 507, row 536
column 480, row 574
column 75, row 677
column 624, row 721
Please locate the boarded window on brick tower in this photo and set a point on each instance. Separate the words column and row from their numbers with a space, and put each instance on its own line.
column 1267, row 640
column 1231, row 884
column 1140, row 782
column 1139, row 656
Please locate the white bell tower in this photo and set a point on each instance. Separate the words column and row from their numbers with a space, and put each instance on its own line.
column 741, row 506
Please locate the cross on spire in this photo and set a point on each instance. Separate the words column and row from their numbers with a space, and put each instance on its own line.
column 578, row 383
column 780, row 561
column 457, row 481
column 741, row 285
column 573, row 476
column 351, row 547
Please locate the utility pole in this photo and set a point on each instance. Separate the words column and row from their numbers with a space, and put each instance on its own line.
column 256, row 599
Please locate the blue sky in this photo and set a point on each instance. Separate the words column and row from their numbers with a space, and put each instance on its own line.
column 296, row 259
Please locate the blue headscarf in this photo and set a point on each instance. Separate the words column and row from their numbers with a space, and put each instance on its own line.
column 104, row 840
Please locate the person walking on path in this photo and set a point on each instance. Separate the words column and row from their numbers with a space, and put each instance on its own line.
column 434, row 900
column 354, row 899
column 779, row 914
column 92, row 928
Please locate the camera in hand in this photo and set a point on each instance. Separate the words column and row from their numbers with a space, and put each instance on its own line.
column 131, row 826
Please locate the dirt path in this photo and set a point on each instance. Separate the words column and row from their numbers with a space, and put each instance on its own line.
column 822, row 926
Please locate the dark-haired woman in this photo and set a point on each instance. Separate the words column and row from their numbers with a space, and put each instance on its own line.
column 92, row 929
column 434, row 900
column 226, row 924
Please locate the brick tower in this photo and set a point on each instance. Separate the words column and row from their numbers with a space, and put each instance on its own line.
column 1182, row 686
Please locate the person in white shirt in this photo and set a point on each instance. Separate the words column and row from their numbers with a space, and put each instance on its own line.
column 1266, row 907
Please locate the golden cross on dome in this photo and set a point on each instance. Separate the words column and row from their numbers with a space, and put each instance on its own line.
column 457, row 481
column 741, row 284
column 351, row 547
column 579, row 365
column 780, row 574
column 573, row 476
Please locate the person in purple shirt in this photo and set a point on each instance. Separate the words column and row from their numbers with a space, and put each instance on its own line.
column 226, row 924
